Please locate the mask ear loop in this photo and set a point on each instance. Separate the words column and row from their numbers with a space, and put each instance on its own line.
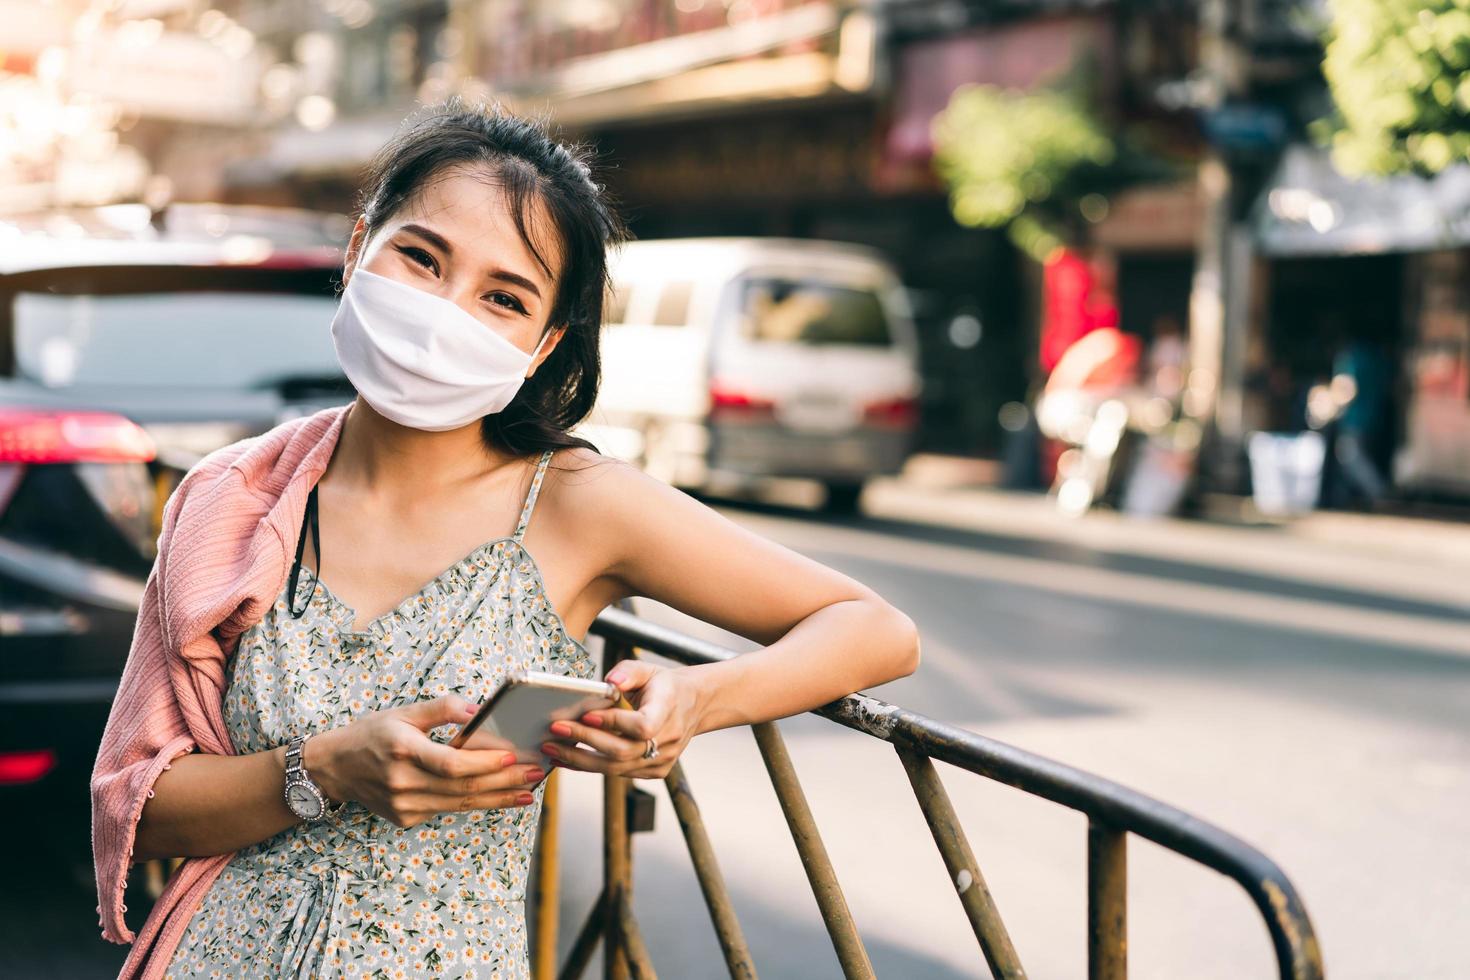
column 539, row 344
column 316, row 543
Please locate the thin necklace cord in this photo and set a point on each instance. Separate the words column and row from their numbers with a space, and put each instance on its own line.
column 316, row 543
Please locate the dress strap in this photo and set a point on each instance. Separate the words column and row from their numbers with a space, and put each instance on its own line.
column 531, row 495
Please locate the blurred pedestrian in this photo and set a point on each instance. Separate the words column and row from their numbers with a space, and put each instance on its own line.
column 289, row 737
column 1360, row 387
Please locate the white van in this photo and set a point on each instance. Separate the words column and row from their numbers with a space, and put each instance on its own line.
column 732, row 358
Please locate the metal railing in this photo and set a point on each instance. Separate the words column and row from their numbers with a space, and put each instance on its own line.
column 1113, row 812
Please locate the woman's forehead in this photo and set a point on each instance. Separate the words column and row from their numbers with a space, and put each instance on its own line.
column 474, row 213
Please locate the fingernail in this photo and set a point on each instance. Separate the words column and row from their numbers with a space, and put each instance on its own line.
column 534, row 775
column 525, row 798
column 615, row 678
column 508, row 759
column 561, row 728
column 470, row 710
column 552, row 751
column 593, row 720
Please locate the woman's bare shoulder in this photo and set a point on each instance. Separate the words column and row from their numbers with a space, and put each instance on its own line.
column 582, row 477
column 586, row 488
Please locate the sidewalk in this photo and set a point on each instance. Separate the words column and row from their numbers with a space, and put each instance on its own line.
column 1412, row 558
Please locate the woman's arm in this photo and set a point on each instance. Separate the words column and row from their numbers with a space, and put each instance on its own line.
column 825, row 634
column 844, row 647
column 214, row 804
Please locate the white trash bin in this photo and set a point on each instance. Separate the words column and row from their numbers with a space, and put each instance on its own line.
column 1286, row 471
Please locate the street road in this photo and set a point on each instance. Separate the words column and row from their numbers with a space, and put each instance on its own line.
column 1307, row 697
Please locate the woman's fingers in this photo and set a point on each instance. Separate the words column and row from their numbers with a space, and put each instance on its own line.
column 599, row 761
column 622, row 721
column 572, row 758
column 610, row 744
column 440, row 759
column 630, row 675
column 511, row 777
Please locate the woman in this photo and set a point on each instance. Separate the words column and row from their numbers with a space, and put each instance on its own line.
column 469, row 323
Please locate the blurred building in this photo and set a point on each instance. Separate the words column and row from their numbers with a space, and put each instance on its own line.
column 735, row 117
column 812, row 118
column 100, row 102
column 1321, row 273
column 763, row 117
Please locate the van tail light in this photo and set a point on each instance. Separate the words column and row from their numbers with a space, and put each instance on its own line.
column 25, row 767
column 725, row 400
column 37, row 436
column 899, row 412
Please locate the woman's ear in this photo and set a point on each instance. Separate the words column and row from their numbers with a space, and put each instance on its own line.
column 546, row 348
column 354, row 248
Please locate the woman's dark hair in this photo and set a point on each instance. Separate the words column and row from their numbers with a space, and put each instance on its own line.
column 531, row 165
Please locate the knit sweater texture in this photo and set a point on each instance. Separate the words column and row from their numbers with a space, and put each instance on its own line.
column 225, row 549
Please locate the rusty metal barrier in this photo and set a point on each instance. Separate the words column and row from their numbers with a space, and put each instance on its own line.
column 1113, row 812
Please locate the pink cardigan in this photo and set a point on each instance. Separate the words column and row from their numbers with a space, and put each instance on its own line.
column 224, row 553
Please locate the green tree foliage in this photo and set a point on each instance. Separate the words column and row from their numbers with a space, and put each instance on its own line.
column 1399, row 71
column 1014, row 159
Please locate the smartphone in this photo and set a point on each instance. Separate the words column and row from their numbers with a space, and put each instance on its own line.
column 519, row 714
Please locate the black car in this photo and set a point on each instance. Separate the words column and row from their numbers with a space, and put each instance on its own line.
column 131, row 344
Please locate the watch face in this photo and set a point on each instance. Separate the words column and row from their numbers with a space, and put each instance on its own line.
column 302, row 801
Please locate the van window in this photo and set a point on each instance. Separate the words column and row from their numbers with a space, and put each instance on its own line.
column 810, row 312
column 673, row 305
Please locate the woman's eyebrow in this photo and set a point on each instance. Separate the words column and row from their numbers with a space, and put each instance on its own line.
column 515, row 279
column 432, row 237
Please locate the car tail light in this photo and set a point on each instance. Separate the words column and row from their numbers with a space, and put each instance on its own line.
column 25, row 767
column 893, row 411
column 727, row 399
column 108, row 452
column 35, row 436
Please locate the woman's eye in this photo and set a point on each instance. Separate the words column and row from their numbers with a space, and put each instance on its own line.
column 418, row 256
column 515, row 304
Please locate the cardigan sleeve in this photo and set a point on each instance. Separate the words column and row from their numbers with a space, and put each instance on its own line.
column 146, row 730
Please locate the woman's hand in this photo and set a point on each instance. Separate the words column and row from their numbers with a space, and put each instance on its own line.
column 386, row 761
column 667, row 709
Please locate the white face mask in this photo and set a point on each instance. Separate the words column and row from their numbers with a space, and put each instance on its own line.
column 421, row 360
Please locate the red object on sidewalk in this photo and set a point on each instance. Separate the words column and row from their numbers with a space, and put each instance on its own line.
column 1074, row 303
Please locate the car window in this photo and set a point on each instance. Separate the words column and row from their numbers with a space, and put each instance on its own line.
column 673, row 304
column 217, row 339
column 809, row 312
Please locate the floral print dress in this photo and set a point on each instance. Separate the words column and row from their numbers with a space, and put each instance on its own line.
column 354, row 895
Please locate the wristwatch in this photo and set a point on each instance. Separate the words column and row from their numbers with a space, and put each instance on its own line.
column 304, row 797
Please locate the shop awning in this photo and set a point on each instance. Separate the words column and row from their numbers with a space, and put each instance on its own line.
column 1309, row 208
